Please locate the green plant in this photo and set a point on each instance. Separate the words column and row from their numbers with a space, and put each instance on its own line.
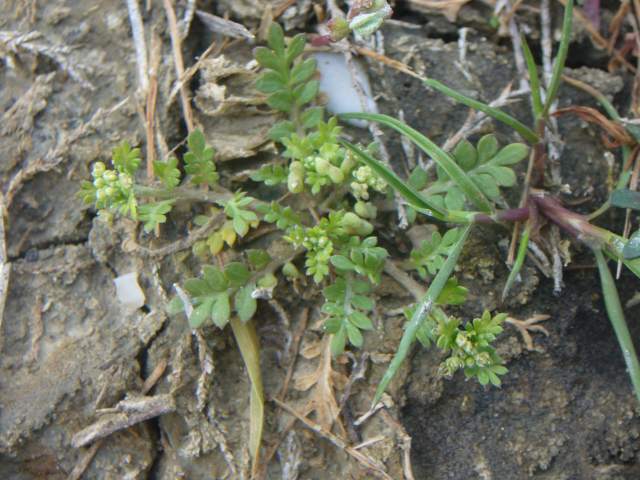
column 331, row 189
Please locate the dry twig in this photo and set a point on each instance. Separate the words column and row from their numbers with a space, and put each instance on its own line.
column 176, row 44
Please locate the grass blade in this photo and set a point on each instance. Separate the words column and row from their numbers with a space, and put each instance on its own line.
column 443, row 159
column 616, row 316
column 561, row 57
column 496, row 113
column 422, row 310
column 517, row 265
column 534, row 79
column 247, row 339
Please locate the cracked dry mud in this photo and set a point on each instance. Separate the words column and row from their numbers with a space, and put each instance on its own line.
column 565, row 411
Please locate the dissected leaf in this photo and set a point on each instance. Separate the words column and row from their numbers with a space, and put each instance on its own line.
column 199, row 160
column 153, row 214
column 125, row 159
column 167, row 172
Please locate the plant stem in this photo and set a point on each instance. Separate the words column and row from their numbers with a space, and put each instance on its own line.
column 616, row 316
column 183, row 194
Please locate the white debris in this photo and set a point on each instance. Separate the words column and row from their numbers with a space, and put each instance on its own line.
column 337, row 84
column 128, row 291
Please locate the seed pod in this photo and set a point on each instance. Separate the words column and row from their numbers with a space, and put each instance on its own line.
column 354, row 225
column 295, row 181
column 365, row 209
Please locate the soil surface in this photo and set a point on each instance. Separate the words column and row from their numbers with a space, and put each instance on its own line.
column 69, row 350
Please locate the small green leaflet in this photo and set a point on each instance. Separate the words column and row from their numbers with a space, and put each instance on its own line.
column 125, row 159
column 153, row 214
column 167, row 172
column 199, row 160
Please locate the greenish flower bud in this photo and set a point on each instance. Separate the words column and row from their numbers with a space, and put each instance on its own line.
column 125, row 180
column 348, row 163
column 110, row 176
column 335, row 174
column 322, row 165
column 98, row 169
column 360, row 190
column 354, row 225
column 295, row 180
column 365, row 209
column 99, row 182
column 101, row 195
column 109, row 191
column 483, row 359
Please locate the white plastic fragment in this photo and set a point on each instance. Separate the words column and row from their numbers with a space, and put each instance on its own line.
column 128, row 291
column 337, row 84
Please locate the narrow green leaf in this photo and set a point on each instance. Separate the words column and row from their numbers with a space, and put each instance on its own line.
column 496, row 113
column 616, row 316
column 561, row 57
column 442, row 158
column 420, row 313
column 534, row 79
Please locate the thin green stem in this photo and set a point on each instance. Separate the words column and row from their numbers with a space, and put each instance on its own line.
column 422, row 310
column 616, row 316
